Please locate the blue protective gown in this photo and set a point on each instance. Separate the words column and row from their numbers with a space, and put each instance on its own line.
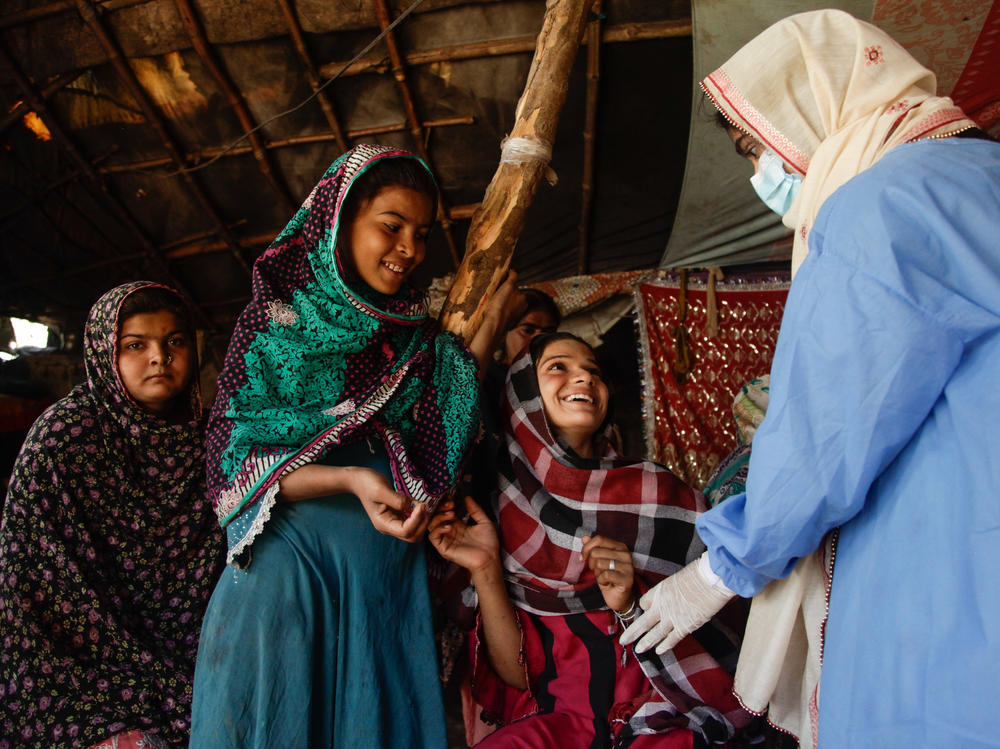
column 885, row 393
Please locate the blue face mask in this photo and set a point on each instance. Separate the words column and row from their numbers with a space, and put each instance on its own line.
column 776, row 187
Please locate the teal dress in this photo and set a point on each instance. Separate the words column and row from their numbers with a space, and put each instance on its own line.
column 325, row 640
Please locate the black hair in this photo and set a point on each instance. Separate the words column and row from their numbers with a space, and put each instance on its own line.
column 537, row 344
column 539, row 301
column 153, row 299
column 406, row 172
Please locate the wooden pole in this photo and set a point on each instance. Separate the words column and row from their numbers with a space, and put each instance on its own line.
column 625, row 32
column 497, row 224
column 236, row 100
column 312, row 75
column 589, row 136
column 196, row 157
column 413, row 120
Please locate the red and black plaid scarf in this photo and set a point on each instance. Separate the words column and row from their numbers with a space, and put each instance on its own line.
column 550, row 498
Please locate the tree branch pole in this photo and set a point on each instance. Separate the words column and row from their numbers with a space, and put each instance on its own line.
column 498, row 223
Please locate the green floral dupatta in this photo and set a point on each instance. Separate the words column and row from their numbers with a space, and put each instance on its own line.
column 315, row 363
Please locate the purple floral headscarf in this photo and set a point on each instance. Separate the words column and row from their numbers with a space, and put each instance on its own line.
column 108, row 554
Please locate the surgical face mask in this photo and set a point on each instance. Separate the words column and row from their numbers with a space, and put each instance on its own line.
column 776, row 187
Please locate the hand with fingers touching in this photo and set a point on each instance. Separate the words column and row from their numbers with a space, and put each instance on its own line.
column 611, row 562
column 676, row 607
column 392, row 513
column 474, row 547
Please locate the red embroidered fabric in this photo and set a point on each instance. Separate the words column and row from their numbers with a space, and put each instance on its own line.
column 689, row 424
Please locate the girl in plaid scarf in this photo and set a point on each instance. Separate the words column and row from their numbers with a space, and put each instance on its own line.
column 581, row 533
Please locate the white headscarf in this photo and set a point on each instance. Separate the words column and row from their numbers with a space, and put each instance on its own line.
column 830, row 95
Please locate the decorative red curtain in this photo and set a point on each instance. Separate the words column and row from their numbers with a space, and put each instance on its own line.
column 689, row 425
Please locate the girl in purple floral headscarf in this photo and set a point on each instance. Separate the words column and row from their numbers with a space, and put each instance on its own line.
column 108, row 546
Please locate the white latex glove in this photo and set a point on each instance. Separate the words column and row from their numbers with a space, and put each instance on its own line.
column 675, row 607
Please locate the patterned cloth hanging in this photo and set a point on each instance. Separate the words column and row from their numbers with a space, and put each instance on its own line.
column 689, row 426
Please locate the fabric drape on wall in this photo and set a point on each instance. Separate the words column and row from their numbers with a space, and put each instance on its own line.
column 689, row 425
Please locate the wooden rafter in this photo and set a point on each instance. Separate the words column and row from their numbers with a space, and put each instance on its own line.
column 627, row 32
column 410, row 108
column 46, row 92
column 29, row 15
column 196, row 157
column 593, row 37
column 126, row 74
column 59, row 188
column 225, row 83
column 312, row 75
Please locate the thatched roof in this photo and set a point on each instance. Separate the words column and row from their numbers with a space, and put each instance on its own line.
column 124, row 153
column 130, row 93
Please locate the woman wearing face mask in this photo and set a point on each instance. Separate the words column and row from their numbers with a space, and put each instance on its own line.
column 882, row 385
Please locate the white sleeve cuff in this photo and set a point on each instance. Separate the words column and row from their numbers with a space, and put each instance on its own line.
column 708, row 574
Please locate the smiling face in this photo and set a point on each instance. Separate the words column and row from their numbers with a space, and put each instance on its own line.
column 573, row 392
column 155, row 359
column 388, row 237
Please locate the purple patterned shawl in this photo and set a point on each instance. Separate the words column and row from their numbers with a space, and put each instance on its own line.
column 318, row 360
column 108, row 554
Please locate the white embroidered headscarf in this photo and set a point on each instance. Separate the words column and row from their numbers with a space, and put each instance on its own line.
column 830, row 95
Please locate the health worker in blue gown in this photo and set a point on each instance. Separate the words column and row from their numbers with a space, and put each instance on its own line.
column 870, row 526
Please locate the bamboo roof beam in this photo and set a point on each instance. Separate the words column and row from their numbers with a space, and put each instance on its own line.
column 109, row 202
column 498, row 223
column 312, row 75
column 593, row 37
column 201, row 248
column 225, row 83
column 196, row 157
column 410, row 108
column 128, row 77
column 167, row 250
column 626, row 32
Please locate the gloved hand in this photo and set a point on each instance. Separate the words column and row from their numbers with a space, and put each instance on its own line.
column 675, row 607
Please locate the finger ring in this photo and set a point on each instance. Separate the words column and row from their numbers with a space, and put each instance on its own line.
column 611, row 565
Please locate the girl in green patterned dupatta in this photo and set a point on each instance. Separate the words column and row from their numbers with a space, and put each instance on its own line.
column 339, row 390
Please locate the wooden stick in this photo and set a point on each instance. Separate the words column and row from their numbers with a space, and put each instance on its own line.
column 497, row 224
column 412, row 118
column 312, row 75
column 236, row 100
column 102, row 193
column 625, row 32
column 589, row 136
column 61, row 6
column 196, row 157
